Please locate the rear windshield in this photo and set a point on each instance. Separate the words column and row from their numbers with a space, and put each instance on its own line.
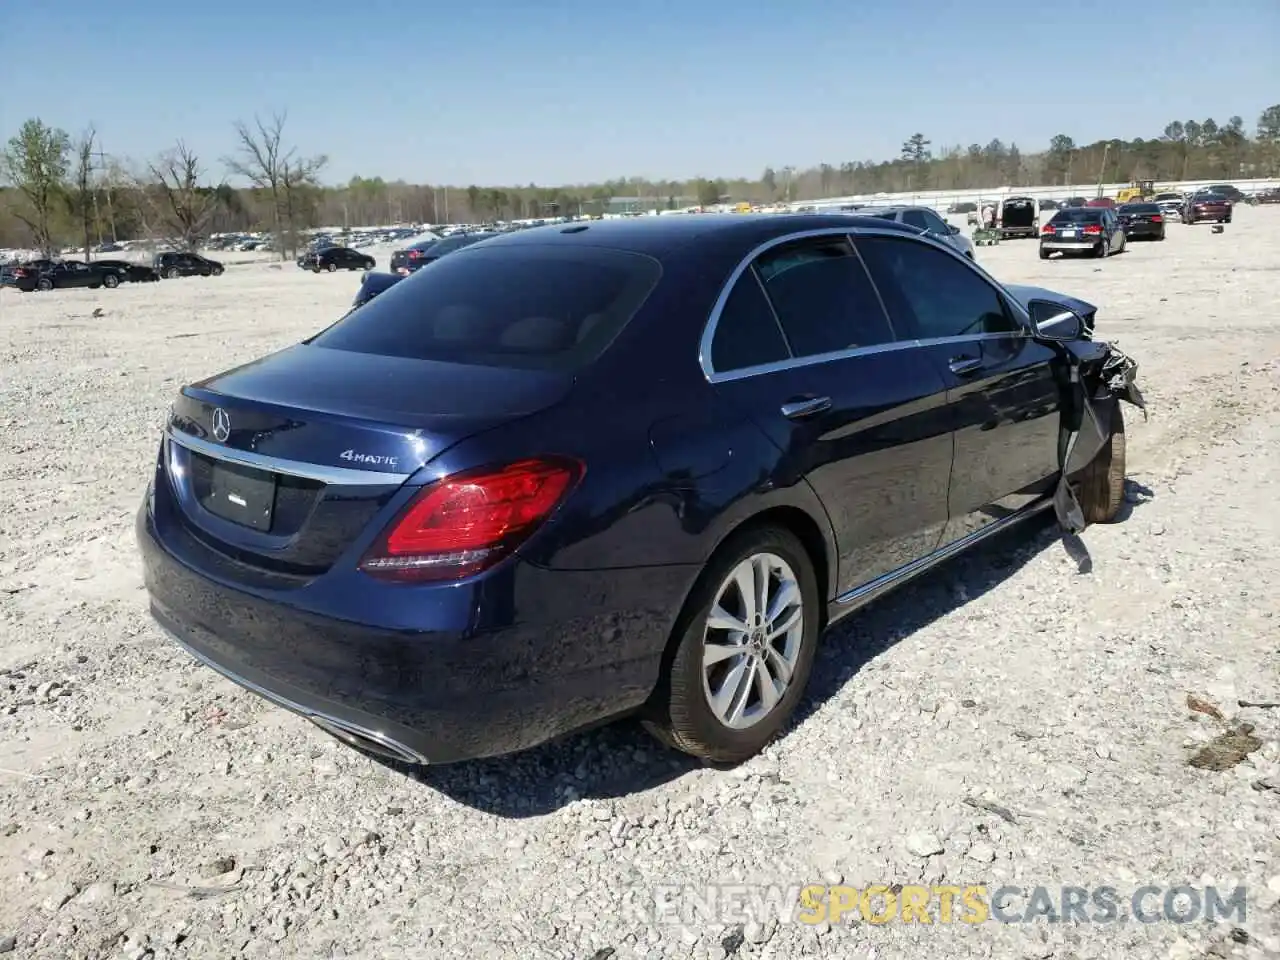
column 1138, row 208
column 531, row 306
column 1078, row 215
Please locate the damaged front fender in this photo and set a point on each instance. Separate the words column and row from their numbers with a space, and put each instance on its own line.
column 1100, row 375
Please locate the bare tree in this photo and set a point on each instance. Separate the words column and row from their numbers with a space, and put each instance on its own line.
column 35, row 161
column 82, row 198
column 263, row 159
column 181, row 207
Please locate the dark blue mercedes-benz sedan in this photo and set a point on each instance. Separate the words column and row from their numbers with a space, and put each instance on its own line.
column 582, row 471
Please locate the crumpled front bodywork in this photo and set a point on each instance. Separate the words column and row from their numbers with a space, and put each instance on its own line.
column 1100, row 375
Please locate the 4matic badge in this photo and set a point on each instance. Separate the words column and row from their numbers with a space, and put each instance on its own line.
column 369, row 458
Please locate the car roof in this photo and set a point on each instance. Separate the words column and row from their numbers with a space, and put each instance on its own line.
column 660, row 235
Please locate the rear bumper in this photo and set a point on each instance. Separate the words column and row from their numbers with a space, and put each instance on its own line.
column 488, row 669
column 1068, row 246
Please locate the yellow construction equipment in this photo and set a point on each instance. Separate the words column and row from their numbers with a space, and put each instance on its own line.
column 1137, row 190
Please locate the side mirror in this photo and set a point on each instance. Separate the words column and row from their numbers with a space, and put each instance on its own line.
column 1053, row 321
column 953, row 228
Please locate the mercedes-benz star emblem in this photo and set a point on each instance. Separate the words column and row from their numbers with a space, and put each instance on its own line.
column 221, row 425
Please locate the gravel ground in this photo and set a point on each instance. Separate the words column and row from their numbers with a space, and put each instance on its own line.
column 1019, row 717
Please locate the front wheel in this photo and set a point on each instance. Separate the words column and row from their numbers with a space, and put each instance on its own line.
column 744, row 648
column 172, row 273
column 44, row 283
column 1101, row 482
column 111, row 281
column 332, row 267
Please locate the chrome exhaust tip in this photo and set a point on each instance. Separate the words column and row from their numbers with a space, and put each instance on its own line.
column 369, row 741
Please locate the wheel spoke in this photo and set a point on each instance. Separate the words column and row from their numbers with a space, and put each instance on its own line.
column 744, row 577
column 769, row 692
column 713, row 653
column 778, row 664
column 745, row 683
column 760, row 570
column 721, row 619
column 788, row 595
column 787, row 622
column 723, row 700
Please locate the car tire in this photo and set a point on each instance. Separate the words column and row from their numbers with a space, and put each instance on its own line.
column 217, row 271
column 45, row 284
column 172, row 273
column 1044, row 254
column 1100, row 484
column 111, row 281
column 331, row 267
column 1102, row 250
column 680, row 711
column 1228, row 220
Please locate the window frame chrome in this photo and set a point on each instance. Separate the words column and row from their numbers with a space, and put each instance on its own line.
column 851, row 234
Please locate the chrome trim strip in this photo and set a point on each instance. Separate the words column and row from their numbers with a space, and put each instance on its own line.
column 852, row 234
column 853, row 598
column 315, row 716
column 336, row 476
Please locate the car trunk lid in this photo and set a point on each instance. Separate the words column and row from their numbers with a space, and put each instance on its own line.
column 283, row 463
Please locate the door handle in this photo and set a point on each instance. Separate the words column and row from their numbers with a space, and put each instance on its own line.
column 963, row 366
column 799, row 409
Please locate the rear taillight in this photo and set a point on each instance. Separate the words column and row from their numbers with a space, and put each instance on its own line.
column 414, row 254
column 1156, row 218
column 21, row 273
column 1047, row 229
column 463, row 524
column 1093, row 229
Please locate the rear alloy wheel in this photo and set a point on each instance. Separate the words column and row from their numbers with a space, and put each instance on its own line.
column 44, row 283
column 744, row 649
column 1044, row 254
column 111, row 281
column 1102, row 250
column 172, row 273
column 1100, row 484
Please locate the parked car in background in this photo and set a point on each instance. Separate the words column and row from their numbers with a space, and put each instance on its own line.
column 1019, row 217
column 416, row 259
column 60, row 275
column 1141, row 221
column 336, row 258
column 460, row 521
column 129, row 272
column 372, row 284
column 1107, row 203
column 925, row 219
column 1049, row 205
column 1072, row 202
column 1206, row 205
column 410, row 258
column 1093, row 230
column 173, row 264
column 1230, row 191
column 1268, row 196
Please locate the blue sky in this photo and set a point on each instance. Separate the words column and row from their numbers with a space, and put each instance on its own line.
column 566, row 91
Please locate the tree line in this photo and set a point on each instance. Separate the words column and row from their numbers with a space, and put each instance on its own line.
column 59, row 190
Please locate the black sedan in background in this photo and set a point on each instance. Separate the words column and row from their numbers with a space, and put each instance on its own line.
column 418, row 256
column 331, row 259
column 60, row 275
column 461, row 520
column 1092, row 230
column 1141, row 221
column 172, row 264
column 129, row 272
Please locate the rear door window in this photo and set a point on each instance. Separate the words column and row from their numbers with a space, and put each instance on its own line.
column 747, row 333
column 823, row 298
column 546, row 307
column 915, row 218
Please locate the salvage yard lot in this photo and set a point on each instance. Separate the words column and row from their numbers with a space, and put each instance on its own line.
column 1024, row 711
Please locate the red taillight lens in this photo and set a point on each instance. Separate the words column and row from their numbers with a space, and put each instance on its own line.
column 465, row 523
column 21, row 273
column 1094, row 229
column 1156, row 218
column 414, row 254
column 1047, row 228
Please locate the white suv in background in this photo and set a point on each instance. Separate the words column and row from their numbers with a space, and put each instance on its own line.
column 927, row 220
